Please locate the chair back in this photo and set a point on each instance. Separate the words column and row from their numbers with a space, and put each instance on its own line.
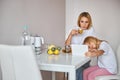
column 6, row 63
column 18, row 63
column 118, row 59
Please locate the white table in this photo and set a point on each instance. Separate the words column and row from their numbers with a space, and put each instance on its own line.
column 61, row 63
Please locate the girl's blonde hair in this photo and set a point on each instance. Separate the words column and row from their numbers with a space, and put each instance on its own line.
column 92, row 39
column 87, row 15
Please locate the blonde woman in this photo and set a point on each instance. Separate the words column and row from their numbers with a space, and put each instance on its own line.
column 84, row 23
column 106, row 58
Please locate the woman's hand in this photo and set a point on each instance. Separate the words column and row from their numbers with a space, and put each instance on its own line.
column 74, row 32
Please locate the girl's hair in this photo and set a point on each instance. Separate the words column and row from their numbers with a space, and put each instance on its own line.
column 92, row 39
column 87, row 15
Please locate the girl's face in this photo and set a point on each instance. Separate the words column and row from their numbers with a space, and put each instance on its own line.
column 84, row 23
column 91, row 45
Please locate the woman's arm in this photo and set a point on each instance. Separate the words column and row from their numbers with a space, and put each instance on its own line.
column 94, row 53
column 68, row 40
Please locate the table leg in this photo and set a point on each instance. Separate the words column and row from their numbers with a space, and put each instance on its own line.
column 53, row 75
column 72, row 75
column 66, row 76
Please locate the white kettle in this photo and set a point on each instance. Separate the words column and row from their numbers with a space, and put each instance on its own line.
column 38, row 41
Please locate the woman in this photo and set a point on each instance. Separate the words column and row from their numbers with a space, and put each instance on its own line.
column 84, row 23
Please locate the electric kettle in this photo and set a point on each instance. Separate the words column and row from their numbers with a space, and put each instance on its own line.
column 38, row 43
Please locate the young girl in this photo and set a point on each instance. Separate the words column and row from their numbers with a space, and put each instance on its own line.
column 77, row 37
column 106, row 58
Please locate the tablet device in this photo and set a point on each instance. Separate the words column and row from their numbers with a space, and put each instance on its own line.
column 79, row 50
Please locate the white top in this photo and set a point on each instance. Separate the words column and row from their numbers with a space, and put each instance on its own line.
column 78, row 39
column 107, row 60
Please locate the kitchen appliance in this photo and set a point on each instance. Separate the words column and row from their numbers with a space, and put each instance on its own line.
column 38, row 43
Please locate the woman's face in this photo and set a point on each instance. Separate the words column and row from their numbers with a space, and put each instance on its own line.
column 91, row 45
column 84, row 22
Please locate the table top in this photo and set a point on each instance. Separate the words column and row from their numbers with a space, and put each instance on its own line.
column 61, row 60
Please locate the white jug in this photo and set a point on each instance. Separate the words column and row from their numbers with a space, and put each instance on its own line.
column 38, row 43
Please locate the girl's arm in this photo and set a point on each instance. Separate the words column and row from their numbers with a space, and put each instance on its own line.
column 68, row 40
column 94, row 53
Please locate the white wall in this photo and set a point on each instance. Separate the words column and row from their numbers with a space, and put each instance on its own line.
column 105, row 16
column 44, row 17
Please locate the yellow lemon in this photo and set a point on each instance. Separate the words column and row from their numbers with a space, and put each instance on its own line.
column 50, row 51
column 50, row 46
column 56, row 52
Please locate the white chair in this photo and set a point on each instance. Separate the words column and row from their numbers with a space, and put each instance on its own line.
column 18, row 63
column 112, row 77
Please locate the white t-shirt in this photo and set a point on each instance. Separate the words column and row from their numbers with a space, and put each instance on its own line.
column 107, row 60
column 78, row 39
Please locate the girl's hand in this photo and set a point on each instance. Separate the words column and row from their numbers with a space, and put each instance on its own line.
column 93, row 50
column 88, row 54
column 94, row 53
column 74, row 32
column 91, row 53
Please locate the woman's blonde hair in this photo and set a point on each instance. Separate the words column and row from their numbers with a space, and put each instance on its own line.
column 92, row 39
column 87, row 15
